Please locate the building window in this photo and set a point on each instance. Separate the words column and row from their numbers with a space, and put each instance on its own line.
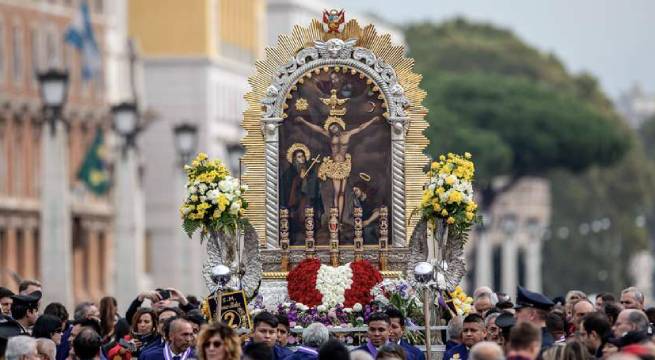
column 3, row 53
column 52, row 49
column 21, row 265
column 4, row 159
column 3, row 251
column 37, row 254
column 36, row 58
column 19, row 163
column 17, row 58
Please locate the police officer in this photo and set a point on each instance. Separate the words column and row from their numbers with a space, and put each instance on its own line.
column 25, row 310
column 533, row 307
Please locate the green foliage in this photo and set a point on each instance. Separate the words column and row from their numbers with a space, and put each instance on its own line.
column 531, row 128
column 620, row 194
column 519, row 112
column 647, row 135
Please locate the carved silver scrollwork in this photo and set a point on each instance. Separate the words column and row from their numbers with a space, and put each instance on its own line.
column 335, row 52
column 222, row 249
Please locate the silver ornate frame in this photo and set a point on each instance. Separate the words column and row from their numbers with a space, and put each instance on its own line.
column 335, row 52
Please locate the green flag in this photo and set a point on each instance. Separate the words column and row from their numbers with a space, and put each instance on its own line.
column 93, row 171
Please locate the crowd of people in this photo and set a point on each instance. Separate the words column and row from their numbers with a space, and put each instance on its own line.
column 564, row 328
column 173, row 328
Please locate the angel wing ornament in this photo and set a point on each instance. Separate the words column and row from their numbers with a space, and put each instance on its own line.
column 335, row 48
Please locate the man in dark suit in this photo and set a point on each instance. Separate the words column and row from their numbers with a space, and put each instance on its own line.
column 179, row 341
column 473, row 332
column 378, row 333
column 265, row 331
column 396, row 332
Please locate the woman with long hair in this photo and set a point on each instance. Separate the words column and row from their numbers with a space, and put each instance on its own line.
column 108, row 317
column 143, row 328
column 218, row 342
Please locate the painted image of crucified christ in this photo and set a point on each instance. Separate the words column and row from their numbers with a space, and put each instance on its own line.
column 338, row 165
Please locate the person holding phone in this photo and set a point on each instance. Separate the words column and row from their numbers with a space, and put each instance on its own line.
column 122, row 346
column 159, row 299
column 143, row 329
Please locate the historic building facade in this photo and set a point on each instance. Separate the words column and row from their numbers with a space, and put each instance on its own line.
column 197, row 55
column 31, row 40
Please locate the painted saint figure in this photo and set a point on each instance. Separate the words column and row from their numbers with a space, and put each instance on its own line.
column 299, row 189
column 337, row 166
column 370, row 213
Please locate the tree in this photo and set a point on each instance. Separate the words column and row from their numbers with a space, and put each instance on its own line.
column 521, row 113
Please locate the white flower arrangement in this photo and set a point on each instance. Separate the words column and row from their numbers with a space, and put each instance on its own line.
column 214, row 201
column 332, row 283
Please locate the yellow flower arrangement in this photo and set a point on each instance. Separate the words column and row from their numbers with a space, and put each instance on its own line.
column 448, row 195
column 214, row 201
column 463, row 303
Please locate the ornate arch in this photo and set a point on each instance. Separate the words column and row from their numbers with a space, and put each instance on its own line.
column 354, row 49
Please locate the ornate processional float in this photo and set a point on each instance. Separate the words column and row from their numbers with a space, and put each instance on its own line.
column 335, row 197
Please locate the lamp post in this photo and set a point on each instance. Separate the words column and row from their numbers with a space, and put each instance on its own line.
column 125, row 122
column 509, row 276
column 53, row 88
column 130, row 206
column 186, row 140
column 55, row 228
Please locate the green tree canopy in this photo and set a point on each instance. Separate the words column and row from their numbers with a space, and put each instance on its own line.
column 520, row 112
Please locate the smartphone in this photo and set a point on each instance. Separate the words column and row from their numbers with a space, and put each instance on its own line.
column 164, row 294
column 130, row 346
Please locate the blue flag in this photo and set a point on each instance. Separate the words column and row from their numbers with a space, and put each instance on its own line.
column 80, row 35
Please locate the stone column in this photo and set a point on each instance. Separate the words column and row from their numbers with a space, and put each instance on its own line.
column 11, row 246
column 29, row 256
column 483, row 268
column 533, row 265
column 93, row 261
column 509, row 273
column 129, row 230
column 55, row 230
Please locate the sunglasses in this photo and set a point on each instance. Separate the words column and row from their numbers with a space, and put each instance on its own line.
column 215, row 343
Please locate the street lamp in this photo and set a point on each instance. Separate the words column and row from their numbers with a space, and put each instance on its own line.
column 53, row 87
column 186, row 137
column 125, row 121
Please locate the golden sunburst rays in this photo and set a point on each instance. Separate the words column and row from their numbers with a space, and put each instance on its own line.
column 286, row 48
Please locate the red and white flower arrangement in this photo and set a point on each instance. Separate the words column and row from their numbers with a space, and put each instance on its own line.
column 312, row 283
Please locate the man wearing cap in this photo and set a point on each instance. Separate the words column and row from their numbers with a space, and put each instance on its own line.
column 25, row 310
column 5, row 301
column 533, row 307
column 505, row 321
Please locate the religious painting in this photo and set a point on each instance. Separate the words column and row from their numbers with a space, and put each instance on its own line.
column 334, row 154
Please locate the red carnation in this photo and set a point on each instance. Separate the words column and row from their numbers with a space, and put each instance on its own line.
column 301, row 283
column 365, row 277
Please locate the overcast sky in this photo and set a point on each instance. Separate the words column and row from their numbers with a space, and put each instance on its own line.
column 612, row 39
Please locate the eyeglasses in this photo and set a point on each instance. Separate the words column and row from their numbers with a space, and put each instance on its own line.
column 215, row 343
